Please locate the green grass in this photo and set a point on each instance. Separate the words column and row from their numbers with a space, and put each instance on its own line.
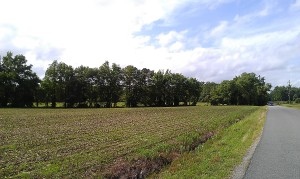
column 56, row 143
column 295, row 106
column 219, row 156
column 61, row 104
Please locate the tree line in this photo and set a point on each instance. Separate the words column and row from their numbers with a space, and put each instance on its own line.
column 286, row 93
column 109, row 84
column 18, row 83
column 246, row 89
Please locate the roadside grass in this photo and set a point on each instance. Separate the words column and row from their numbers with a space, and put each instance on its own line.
column 80, row 143
column 295, row 106
column 218, row 157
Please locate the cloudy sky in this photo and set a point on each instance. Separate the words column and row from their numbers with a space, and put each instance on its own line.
column 211, row 40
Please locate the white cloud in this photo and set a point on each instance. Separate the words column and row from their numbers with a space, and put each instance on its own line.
column 264, row 39
column 245, row 24
column 92, row 31
column 219, row 30
column 267, row 9
column 171, row 37
column 177, row 46
column 87, row 32
column 262, row 54
column 214, row 4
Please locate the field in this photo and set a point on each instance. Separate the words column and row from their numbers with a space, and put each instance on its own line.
column 219, row 156
column 85, row 142
column 296, row 106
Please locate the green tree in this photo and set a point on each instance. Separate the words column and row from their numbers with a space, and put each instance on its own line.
column 248, row 89
column 66, row 83
column 295, row 97
column 50, row 83
column 194, row 90
column 224, row 93
column 146, row 84
column 18, row 82
column 40, row 95
column 115, row 83
column 207, row 90
column 178, row 89
column 280, row 93
column 159, row 88
column 3, row 85
column 132, row 86
column 93, row 91
column 81, row 85
column 58, row 82
column 109, row 83
column 169, row 88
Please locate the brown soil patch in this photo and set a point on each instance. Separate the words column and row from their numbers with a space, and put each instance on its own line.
column 140, row 168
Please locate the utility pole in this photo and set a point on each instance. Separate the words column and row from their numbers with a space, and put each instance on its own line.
column 289, row 88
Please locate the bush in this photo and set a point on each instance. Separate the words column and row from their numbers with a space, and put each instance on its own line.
column 297, row 100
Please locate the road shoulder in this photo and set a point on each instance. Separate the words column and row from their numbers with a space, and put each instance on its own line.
column 240, row 171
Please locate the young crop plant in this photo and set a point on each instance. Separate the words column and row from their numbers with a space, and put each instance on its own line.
column 59, row 143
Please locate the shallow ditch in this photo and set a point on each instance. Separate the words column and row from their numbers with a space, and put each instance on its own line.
column 143, row 167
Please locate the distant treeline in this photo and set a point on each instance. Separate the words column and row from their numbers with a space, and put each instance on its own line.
column 105, row 86
column 286, row 93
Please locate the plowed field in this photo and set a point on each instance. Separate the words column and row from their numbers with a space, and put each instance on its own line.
column 82, row 142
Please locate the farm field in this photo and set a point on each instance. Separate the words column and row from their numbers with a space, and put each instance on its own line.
column 219, row 156
column 84, row 142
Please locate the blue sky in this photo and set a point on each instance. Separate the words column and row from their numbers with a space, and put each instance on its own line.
column 209, row 40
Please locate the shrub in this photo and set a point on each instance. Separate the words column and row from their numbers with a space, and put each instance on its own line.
column 297, row 100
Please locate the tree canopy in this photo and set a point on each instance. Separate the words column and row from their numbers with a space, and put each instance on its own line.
column 109, row 84
column 281, row 93
column 18, row 82
column 246, row 89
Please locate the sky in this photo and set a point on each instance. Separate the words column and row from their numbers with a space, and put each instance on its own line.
column 211, row 40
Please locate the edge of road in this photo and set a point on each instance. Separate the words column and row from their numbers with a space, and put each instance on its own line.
column 240, row 170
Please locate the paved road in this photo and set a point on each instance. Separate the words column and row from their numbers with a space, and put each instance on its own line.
column 278, row 153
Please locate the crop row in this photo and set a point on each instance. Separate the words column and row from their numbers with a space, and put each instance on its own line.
column 68, row 142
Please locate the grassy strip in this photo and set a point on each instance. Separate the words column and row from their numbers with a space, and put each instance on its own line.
column 295, row 106
column 218, row 156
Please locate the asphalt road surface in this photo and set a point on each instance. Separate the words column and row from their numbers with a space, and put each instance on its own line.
column 278, row 153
